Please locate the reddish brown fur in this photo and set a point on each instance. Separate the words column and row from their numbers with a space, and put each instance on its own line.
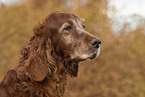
column 44, row 63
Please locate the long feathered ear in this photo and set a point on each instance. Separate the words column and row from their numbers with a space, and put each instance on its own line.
column 37, row 63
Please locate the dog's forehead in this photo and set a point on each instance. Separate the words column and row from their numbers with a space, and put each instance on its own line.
column 78, row 19
column 78, row 22
column 75, row 16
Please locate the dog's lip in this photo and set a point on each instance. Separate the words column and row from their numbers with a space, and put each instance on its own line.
column 82, row 59
column 92, row 56
column 78, row 60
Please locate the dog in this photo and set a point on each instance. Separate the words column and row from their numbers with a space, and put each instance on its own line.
column 58, row 44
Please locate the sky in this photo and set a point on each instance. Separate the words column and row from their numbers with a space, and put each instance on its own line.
column 8, row 2
column 131, row 12
column 128, row 7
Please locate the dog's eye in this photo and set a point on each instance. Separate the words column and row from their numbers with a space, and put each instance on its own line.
column 68, row 28
column 84, row 26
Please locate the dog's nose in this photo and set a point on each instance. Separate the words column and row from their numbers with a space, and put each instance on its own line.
column 95, row 43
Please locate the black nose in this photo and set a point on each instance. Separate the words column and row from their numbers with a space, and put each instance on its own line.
column 95, row 43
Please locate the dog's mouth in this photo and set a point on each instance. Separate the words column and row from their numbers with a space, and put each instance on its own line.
column 95, row 54
column 77, row 60
column 91, row 56
column 73, row 66
column 86, row 56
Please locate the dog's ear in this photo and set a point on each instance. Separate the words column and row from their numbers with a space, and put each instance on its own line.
column 37, row 69
column 35, row 63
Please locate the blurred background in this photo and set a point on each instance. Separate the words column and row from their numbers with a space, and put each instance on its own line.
column 119, row 71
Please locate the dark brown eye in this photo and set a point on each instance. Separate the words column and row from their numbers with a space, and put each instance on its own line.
column 84, row 26
column 68, row 28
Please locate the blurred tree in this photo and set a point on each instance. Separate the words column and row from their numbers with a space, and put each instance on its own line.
column 38, row 3
column 119, row 70
column 3, row 5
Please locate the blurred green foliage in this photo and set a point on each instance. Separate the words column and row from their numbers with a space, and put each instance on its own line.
column 119, row 71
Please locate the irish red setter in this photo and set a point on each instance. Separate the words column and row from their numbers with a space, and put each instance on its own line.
column 53, row 52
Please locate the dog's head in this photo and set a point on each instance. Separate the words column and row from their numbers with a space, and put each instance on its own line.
column 70, row 39
column 58, row 44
